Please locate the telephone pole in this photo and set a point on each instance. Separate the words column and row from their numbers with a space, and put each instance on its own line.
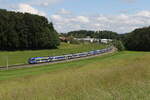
column 7, row 63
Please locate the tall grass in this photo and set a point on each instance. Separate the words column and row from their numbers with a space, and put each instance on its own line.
column 21, row 57
column 122, row 76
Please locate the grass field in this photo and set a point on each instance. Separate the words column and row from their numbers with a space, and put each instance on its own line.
column 21, row 57
column 118, row 76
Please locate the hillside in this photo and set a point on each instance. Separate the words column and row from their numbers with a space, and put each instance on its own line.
column 138, row 40
column 118, row 76
column 24, row 31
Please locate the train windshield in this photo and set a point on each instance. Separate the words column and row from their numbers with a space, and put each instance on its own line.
column 31, row 59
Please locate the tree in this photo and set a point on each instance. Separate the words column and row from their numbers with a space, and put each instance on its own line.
column 138, row 40
column 20, row 31
column 119, row 45
column 93, row 34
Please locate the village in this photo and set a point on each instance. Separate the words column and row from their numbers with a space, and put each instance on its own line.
column 88, row 39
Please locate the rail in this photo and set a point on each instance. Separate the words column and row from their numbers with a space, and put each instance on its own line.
column 40, row 64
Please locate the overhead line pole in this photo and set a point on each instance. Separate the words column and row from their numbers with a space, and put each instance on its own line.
column 7, row 62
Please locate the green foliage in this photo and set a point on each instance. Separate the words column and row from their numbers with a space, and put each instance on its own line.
column 73, row 41
column 80, row 34
column 119, row 45
column 105, row 35
column 20, row 31
column 138, row 40
column 93, row 34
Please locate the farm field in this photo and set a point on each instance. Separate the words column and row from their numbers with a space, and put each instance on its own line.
column 118, row 76
column 21, row 57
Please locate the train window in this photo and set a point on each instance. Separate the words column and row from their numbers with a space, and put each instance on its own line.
column 32, row 59
column 38, row 60
column 44, row 59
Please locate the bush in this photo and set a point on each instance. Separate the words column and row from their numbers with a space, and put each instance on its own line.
column 73, row 41
column 119, row 45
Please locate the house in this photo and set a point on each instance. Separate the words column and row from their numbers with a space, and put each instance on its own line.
column 91, row 40
column 106, row 40
column 64, row 39
column 87, row 39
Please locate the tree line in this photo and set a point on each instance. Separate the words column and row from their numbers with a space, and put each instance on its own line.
column 137, row 40
column 21, row 31
column 93, row 34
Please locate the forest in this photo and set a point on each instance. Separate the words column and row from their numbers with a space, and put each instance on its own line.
column 23, row 31
column 94, row 34
column 137, row 40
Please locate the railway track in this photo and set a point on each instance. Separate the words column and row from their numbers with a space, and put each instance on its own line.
column 41, row 64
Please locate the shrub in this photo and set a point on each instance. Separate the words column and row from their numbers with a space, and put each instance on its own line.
column 119, row 45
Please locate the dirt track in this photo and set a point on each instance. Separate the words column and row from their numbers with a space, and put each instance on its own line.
column 41, row 64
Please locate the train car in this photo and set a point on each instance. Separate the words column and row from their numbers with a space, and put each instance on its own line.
column 37, row 60
column 103, row 51
column 58, row 58
column 110, row 48
column 90, row 53
column 83, row 54
column 77, row 55
column 93, row 52
column 69, row 56
column 98, row 51
column 86, row 53
column 106, row 50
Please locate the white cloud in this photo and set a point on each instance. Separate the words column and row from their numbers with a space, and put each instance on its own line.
column 82, row 19
column 44, row 2
column 64, row 12
column 102, row 18
column 29, row 9
column 57, row 18
column 119, row 23
column 144, row 13
column 72, row 19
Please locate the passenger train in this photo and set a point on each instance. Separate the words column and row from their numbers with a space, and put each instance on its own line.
column 37, row 60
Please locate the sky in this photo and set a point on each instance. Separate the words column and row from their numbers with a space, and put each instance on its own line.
column 120, row 16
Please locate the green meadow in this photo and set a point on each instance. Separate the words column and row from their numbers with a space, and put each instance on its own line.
column 21, row 57
column 117, row 76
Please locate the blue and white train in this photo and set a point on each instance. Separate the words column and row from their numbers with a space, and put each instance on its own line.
column 37, row 60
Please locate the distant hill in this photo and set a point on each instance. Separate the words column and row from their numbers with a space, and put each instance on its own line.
column 20, row 31
column 138, row 40
column 94, row 34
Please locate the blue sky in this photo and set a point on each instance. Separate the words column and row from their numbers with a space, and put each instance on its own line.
column 67, row 15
